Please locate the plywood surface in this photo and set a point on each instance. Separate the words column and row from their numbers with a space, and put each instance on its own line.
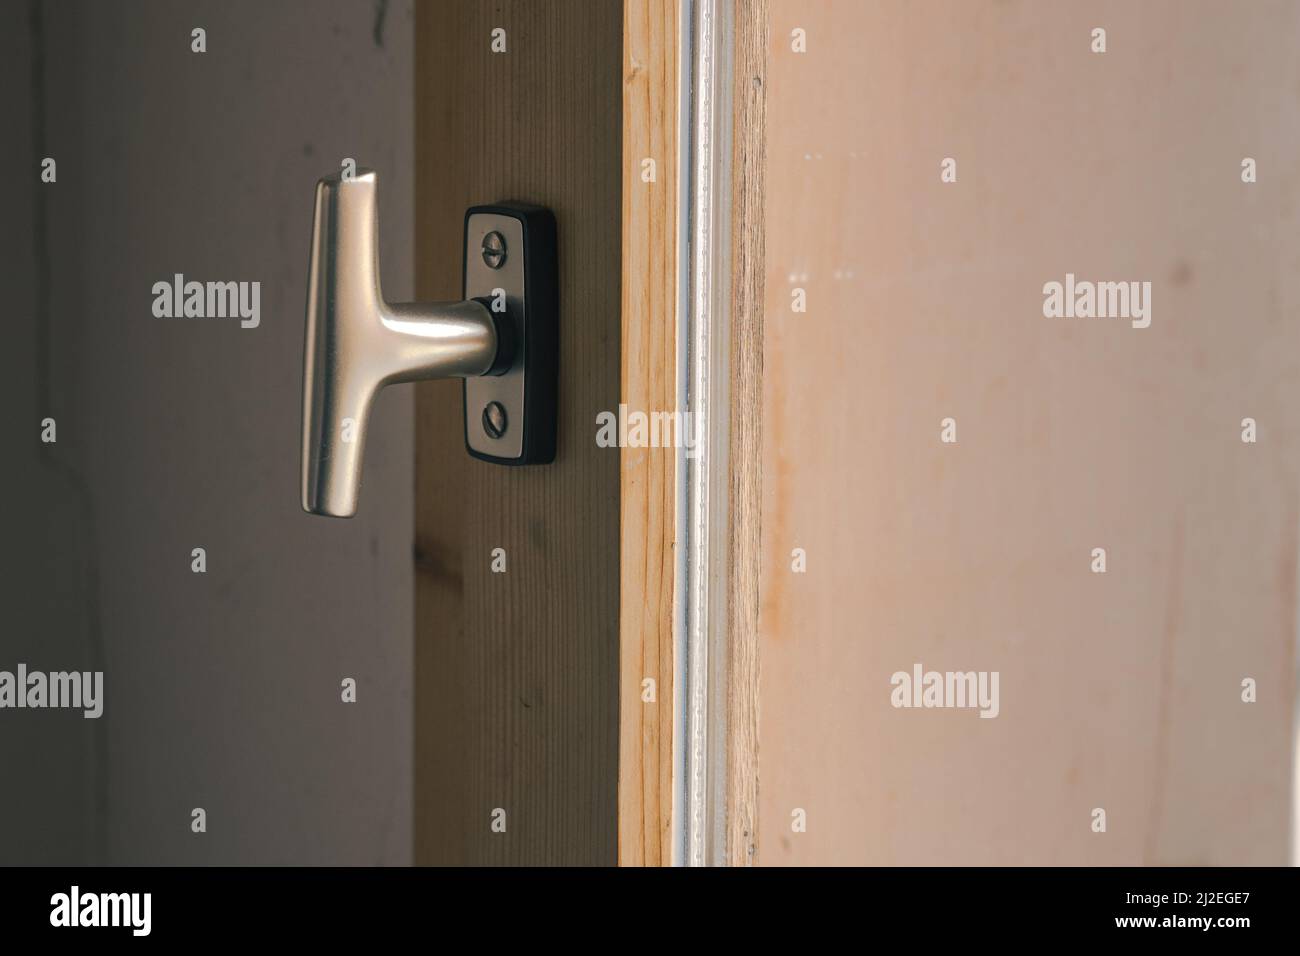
column 745, row 476
column 1120, row 690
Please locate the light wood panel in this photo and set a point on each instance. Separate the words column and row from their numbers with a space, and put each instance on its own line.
column 517, row 673
column 748, row 249
column 1120, row 690
column 648, row 475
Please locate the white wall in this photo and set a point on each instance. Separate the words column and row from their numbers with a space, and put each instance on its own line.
column 222, row 689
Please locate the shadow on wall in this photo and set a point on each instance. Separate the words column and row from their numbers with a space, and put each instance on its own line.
column 222, row 678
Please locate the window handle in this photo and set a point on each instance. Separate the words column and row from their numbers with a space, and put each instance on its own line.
column 501, row 337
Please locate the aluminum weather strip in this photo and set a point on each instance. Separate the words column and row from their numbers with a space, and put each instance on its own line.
column 702, row 382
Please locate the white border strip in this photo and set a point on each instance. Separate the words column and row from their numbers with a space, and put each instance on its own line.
column 1295, row 742
column 704, row 288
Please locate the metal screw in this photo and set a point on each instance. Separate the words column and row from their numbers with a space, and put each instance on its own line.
column 494, row 419
column 494, row 250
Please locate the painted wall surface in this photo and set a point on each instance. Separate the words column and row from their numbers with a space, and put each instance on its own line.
column 222, row 689
column 1119, row 690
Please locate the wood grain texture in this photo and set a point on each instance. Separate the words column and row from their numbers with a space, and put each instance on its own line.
column 1118, row 690
column 650, row 227
column 749, row 104
column 517, row 673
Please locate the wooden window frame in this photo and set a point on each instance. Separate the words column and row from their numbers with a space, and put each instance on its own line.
column 693, row 101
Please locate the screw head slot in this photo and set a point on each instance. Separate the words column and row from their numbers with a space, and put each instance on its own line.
column 495, row 422
column 494, row 250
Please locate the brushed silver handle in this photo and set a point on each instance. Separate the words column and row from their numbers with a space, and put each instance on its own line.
column 357, row 343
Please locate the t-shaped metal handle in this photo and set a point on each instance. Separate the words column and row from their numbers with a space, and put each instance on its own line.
column 357, row 343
